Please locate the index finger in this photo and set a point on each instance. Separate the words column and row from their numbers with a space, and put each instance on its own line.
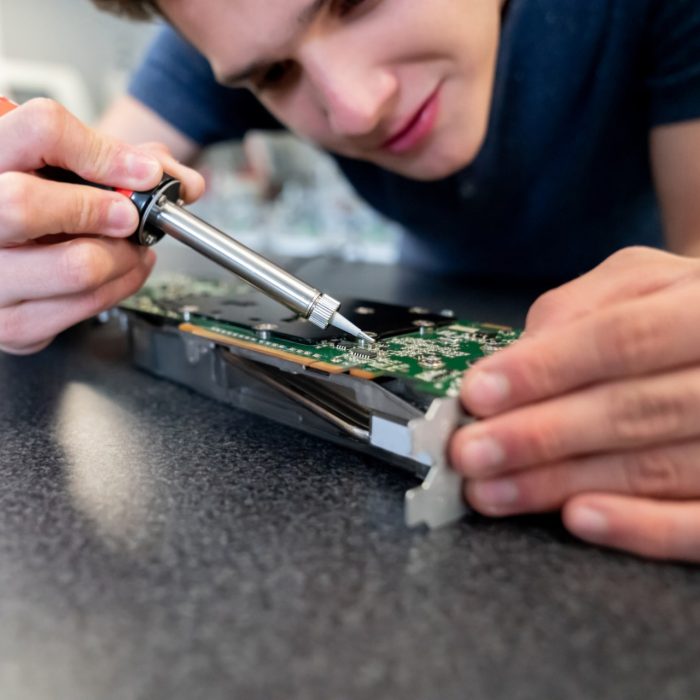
column 635, row 338
column 42, row 132
column 627, row 274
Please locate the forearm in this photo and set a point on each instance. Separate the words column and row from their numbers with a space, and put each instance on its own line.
column 675, row 153
column 690, row 249
column 129, row 120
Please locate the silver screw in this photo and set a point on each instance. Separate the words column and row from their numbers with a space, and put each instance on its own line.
column 418, row 310
column 365, row 343
column 424, row 326
column 264, row 329
column 188, row 310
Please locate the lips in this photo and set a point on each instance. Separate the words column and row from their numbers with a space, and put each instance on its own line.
column 412, row 132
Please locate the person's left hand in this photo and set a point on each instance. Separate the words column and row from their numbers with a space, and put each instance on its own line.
column 596, row 410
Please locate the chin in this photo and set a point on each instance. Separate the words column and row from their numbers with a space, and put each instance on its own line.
column 437, row 160
column 427, row 171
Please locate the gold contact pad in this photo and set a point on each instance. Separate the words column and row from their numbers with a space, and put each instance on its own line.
column 263, row 349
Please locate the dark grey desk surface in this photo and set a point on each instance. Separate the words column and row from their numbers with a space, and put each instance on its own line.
column 155, row 544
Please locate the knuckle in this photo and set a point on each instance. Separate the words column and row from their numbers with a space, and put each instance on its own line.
column 47, row 120
column 134, row 283
column 665, row 537
column 95, row 302
column 544, row 441
column 82, row 266
column 652, row 473
column 96, row 158
column 547, row 305
column 540, row 374
column 630, row 342
column 13, row 328
column 542, row 305
column 546, row 487
column 156, row 148
column 640, row 413
column 85, row 212
column 14, row 201
column 537, row 375
column 99, row 299
column 631, row 254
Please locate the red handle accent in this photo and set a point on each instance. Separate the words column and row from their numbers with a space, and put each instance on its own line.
column 6, row 105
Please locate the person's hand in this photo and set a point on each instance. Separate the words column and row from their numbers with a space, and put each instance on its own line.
column 596, row 410
column 63, row 253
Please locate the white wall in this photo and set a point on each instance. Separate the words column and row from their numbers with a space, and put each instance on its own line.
column 73, row 34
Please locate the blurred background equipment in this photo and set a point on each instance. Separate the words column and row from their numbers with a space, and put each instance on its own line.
column 274, row 193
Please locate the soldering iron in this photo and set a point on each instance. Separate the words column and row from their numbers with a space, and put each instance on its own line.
column 161, row 212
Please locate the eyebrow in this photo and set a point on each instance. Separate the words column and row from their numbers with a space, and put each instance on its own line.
column 304, row 19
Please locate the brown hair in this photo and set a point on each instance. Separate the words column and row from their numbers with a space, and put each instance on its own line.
column 136, row 9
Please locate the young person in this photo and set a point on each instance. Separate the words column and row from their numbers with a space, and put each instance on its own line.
column 530, row 138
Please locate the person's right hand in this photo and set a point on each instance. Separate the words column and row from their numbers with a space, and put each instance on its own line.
column 63, row 253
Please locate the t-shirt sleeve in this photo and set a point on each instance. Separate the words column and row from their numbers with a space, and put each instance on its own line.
column 177, row 83
column 674, row 73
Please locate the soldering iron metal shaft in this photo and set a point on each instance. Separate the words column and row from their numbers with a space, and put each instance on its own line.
column 319, row 308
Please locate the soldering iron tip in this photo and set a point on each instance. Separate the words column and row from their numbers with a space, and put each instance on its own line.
column 339, row 321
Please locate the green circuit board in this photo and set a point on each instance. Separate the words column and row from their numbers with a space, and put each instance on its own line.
column 431, row 359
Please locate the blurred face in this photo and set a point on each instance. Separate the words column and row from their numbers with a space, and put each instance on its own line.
column 405, row 84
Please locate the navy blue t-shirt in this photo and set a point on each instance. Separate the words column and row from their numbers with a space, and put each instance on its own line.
column 563, row 178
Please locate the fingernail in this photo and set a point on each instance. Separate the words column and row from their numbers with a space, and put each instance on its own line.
column 588, row 523
column 487, row 389
column 140, row 166
column 149, row 257
column 481, row 455
column 496, row 492
column 122, row 215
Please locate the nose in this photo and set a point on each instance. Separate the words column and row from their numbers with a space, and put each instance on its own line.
column 353, row 94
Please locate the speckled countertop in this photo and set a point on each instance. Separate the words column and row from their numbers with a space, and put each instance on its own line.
column 155, row 544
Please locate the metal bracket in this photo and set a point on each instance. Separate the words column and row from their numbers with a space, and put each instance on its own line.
column 439, row 500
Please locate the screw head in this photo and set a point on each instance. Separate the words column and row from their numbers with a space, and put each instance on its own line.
column 424, row 326
column 264, row 330
column 188, row 310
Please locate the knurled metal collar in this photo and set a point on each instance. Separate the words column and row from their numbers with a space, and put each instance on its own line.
column 322, row 310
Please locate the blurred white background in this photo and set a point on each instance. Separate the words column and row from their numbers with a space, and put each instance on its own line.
column 82, row 57
column 69, row 47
